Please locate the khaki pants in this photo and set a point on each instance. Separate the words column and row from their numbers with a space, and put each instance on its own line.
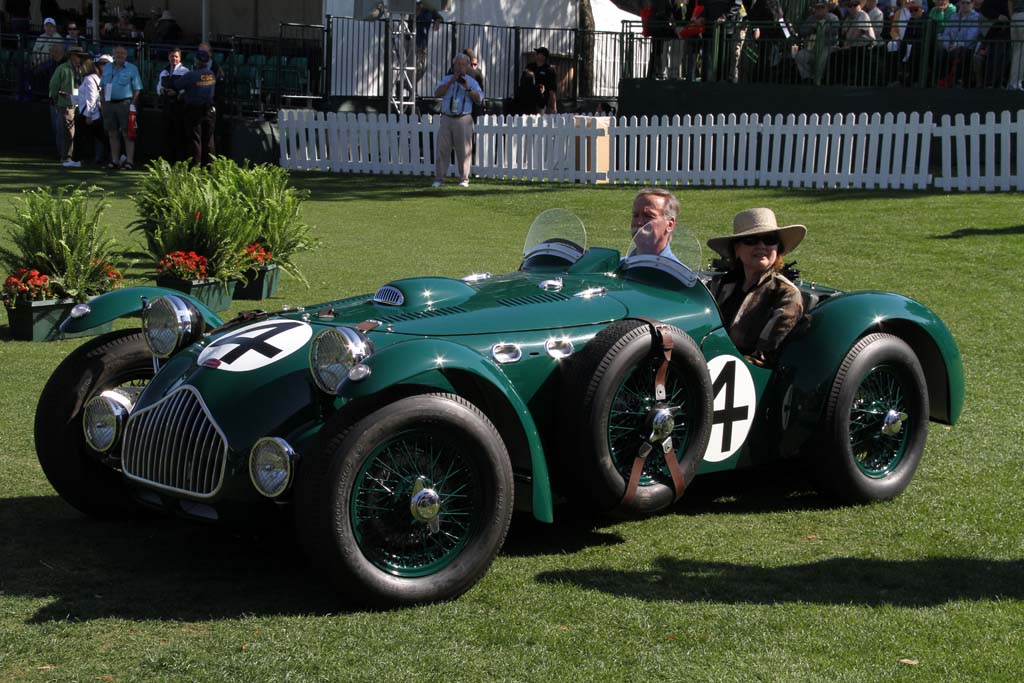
column 67, row 132
column 456, row 133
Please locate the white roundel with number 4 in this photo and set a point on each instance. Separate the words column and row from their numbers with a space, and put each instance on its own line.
column 255, row 346
column 735, row 402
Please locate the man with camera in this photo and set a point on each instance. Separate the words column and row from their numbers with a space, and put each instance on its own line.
column 458, row 92
column 172, row 123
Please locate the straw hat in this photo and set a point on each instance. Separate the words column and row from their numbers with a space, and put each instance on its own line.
column 758, row 222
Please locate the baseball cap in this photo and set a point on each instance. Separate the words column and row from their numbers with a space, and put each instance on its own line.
column 203, row 56
column 104, row 58
column 49, row 20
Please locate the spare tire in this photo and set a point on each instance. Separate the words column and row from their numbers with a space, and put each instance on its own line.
column 611, row 381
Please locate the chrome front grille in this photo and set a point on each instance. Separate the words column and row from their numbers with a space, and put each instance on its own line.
column 175, row 445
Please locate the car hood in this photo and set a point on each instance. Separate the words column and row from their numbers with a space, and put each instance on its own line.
column 509, row 303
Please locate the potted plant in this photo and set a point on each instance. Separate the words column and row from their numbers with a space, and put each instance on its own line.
column 186, row 271
column 262, row 277
column 274, row 210
column 60, row 255
column 183, row 212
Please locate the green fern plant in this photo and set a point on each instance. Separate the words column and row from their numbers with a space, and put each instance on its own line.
column 182, row 209
column 59, row 232
column 219, row 211
column 274, row 206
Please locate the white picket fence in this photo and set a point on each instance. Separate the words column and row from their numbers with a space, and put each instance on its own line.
column 823, row 151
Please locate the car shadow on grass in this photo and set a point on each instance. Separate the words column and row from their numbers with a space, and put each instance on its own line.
column 741, row 492
column 170, row 569
column 981, row 232
column 155, row 568
column 836, row 581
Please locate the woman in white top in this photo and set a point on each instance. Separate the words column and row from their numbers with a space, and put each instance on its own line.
column 89, row 106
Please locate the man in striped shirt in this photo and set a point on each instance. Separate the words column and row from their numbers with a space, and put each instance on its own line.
column 458, row 92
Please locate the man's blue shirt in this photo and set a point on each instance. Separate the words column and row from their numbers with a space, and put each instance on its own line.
column 124, row 81
column 456, row 100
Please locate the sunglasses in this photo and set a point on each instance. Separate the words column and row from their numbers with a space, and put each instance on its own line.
column 766, row 240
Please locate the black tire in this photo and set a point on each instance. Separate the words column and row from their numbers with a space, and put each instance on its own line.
column 353, row 501
column 598, row 466
column 73, row 468
column 859, row 463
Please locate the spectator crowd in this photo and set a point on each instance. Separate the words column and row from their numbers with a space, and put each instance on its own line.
column 94, row 101
column 972, row 43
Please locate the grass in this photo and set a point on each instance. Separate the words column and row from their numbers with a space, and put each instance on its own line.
column 748, row 578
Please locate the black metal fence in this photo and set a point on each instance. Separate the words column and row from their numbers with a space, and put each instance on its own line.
column 260, row 74
column 351, row 58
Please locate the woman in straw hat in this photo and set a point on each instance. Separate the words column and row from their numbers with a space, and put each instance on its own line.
column 759, row 306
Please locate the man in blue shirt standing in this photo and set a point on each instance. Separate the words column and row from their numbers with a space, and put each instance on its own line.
column 198, row 88
column 458, row 92
column 121, row 85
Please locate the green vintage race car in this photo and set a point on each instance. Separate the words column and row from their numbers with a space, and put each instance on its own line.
column 400, row 428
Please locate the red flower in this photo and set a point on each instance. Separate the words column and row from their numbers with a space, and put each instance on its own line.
column 184, row 265
column 28, row 285
column 258, row 253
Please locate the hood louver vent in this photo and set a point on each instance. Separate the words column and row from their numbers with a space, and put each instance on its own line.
column 389, row 296
column 419, row 315
column 545, row 298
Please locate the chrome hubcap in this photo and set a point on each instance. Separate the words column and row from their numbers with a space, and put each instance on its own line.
column 662, row 424
column 893, row 422
column 425, row 505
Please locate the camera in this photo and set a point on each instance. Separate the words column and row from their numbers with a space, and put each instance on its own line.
column 462, row 80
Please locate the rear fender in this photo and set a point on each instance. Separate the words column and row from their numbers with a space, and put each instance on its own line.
column 125, row 302
column 815, row 350
column 453, row 367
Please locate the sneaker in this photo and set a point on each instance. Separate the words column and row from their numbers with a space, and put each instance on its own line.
column 436, row 183
column 463, row 183
column 72, row 164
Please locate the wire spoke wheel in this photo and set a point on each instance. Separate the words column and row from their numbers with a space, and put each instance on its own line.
column 627, row 422
column 90, row 481
column 387, row 532
column 875, row 423
column 880, row 394
column 611, row 385
column 409, row 504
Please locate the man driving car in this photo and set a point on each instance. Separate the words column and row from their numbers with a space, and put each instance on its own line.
column 654, row 220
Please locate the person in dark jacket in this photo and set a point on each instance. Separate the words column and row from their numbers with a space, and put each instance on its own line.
column 759, row 306
column 172, row 119
column 720, row 17
column 546, row 78
column 167, row 29
column 528, row 99
column 198, row 88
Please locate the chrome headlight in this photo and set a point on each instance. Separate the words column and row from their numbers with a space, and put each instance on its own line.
column 333, row 354
column 270, row 466
column 170, row 323
column 103, row 419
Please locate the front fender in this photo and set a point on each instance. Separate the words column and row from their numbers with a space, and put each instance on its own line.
column 124, row 302
column 814, row 352
column 434, row 362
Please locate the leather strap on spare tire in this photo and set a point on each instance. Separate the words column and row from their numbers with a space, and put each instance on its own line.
column 661, row 348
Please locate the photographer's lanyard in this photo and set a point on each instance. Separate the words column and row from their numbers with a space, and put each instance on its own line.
column 458, row 94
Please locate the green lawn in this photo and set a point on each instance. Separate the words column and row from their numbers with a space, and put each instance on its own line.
column 748, row 578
